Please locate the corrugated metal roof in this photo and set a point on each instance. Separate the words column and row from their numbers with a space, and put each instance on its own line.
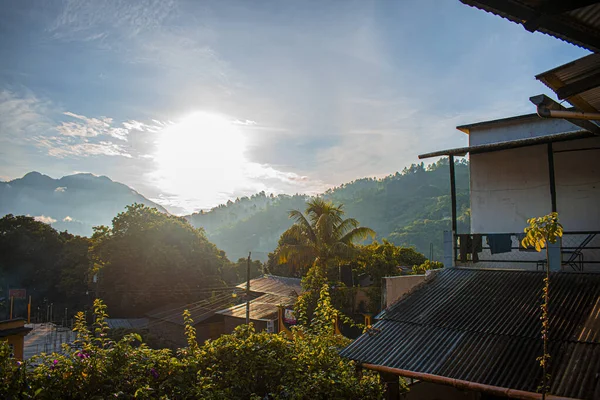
column 511, row 144
column 199, row 311
column 483, row 326
column 580, row 26
column 263, row 307
column 573, row 73
column 279, row 285
column 127, row 323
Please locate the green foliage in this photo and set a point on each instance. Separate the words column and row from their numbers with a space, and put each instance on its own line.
column 244, row 365
column 410, row 208
column 47, row 263
column 235, row 273
column 383, row 259
column 149, row 258
column 426, row 266
column 543, row 230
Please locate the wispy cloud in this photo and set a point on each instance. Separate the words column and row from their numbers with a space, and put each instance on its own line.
column 22, row 115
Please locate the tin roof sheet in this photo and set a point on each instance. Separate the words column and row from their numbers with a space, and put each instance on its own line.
column 578, row 25
column 279, row 285
column 484, row 326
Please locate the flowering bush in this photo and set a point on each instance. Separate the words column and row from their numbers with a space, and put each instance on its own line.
column 243, row 365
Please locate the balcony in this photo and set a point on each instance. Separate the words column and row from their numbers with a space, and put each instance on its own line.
column 576, row 252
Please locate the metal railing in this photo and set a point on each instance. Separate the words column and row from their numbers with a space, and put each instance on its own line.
column 580, row 251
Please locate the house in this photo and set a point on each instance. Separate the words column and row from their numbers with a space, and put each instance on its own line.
column 472, row 330
column 13, row 331
column 522, row 167
column 475, row 334
column 269, row 293
column 220, row 314
column 166, row 325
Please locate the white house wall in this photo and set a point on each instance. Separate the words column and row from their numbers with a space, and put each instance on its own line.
column 520, row 129
column 507, row 188
column 577, row 177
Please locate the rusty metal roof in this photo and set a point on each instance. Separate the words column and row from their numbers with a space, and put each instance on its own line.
column 279, row 285
column 576, row 22
column 578, row 82
column 483, row 326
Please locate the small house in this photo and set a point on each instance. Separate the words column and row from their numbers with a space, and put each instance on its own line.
column 13, row 331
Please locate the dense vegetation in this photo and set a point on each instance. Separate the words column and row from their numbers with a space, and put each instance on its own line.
column 244, row 365
column 53, row 267
column 408, row 208
column 147, row 258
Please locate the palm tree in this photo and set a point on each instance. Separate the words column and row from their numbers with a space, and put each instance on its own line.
column 322, row 239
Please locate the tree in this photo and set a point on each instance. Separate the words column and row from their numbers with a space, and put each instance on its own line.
column 383, row 259
column 321, row 239
column 543, row 230
column 148, row 259
column 49, row 265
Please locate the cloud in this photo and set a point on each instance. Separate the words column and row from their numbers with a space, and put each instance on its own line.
column 244, row 123
column 91, row 127
column 44, row 219
column 61, row 189
column 22, row 114
column 68, row 219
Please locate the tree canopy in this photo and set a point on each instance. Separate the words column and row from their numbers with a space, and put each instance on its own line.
column 148, row 258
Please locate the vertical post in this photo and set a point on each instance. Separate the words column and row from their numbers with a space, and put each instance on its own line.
column 12, row 302
column 453, row 192
column 552, row 179
column 248, row 289
column 29, row 311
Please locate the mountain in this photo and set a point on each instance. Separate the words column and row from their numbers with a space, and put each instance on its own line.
column 75, row 202
column 409, row 208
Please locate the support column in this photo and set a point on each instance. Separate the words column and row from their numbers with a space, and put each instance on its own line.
column 452, row 192
column 392, row 386
column 551, row 176
column 554, row 249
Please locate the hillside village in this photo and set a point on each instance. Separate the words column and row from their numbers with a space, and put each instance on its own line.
column 475, row 276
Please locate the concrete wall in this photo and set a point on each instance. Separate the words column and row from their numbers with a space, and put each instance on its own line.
column 519, row 129
column 507, row 188
column 577, row 176
column 398, row 286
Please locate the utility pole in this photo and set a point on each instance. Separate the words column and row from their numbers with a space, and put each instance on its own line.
column 248, row 289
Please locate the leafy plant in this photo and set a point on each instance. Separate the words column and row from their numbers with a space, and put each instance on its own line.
column 543, row 230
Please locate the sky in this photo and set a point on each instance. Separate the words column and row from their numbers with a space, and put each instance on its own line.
column 193, row 103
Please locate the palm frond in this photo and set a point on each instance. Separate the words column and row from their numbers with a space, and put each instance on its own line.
column 304, row 224
column 345, row 226
column 360, row 233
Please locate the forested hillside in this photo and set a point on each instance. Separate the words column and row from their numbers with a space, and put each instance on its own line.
column 410, row 208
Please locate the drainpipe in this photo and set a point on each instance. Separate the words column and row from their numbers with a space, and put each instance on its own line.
column 548, row 108
column 464, row 385
column 567, row 114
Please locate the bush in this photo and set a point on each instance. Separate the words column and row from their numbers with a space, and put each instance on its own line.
column 243, row 365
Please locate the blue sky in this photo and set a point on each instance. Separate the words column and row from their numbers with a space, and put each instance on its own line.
column 195, row 102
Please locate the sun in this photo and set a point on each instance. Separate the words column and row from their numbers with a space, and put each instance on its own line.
column 202, row 153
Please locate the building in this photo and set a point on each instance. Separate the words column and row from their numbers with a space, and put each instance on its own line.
column 13, row 332
column 220, row 315
column 475, row 334
column 268, row 293
column 523, row 167
column 472, row 330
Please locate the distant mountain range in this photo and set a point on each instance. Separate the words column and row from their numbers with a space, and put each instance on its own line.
column 409, row 208
column 74, row 203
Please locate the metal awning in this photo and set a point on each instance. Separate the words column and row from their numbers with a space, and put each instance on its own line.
column 511, row 144
column 578, row 82
column 574, row 21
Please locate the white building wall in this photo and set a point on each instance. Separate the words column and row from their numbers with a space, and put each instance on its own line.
column 520, row 129
column 577, row 176
column 507, row 188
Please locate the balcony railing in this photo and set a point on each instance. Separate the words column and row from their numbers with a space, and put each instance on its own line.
column 579, row 251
